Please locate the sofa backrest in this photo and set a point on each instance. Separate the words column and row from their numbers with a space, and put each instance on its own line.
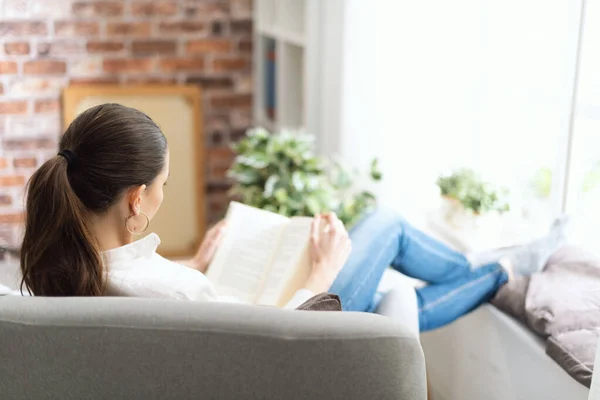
column 92, row 348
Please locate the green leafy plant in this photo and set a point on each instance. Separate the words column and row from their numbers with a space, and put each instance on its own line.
column 281, row 173
column 474, row 194
column 542, row 183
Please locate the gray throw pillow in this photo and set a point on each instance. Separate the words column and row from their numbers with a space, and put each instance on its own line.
column 510, row 298
column 575, row 352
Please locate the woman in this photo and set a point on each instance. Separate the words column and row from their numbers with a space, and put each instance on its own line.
column 106, row 184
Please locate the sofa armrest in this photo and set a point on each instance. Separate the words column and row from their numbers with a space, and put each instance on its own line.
column 142, row 348
column 400, row 305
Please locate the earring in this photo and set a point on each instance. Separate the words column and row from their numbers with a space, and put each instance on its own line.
column 132, row 231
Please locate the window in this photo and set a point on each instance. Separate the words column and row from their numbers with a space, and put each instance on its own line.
column 583, row 185
column 485, row 85
column 433, row 86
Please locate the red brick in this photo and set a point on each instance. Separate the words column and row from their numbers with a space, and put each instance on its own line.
column 59, row 48
column 86, row 66
column 8, row 67
column 216, row 138
column 211, row 82
column 208, row 46
column 240, row 120
column 11, row 218
column 219, row 161
column 12, row 180
column 13, row 107
column 25, row 162
column 182, row 27
column 217, row 206
column 29, row 144
column 241, row 27
column 238, row 134
column 44, row 67
column 5, row 200
column 47, row 105
column 94, row 81
column 245, row 45
column 98, row 9
column 3, row 163
column 230, row 64
column 244, row 83
column 38, row 86
column 208, row 10
column 154, row 47
column 182, row 64
column 241, row 9
column 80, row 28
column 22, row 28
column 154, row 8
column 150, row 80
column 1, row 88
column 118, row 65
column 16, row 48
column 104, row 47
column 128, row 29
column 231, row 101
column 217, row 28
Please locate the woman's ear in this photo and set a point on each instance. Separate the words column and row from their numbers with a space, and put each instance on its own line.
column 135, row 199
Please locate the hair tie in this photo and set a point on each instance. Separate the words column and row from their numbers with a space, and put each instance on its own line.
column 68, row 155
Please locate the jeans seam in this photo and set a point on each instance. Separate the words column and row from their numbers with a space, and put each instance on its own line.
column 357, row 289
column 458, row 290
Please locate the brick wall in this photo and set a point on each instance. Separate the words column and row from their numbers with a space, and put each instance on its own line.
column 48, row 44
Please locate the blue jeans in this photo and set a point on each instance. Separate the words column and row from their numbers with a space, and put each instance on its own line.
column 384, row 239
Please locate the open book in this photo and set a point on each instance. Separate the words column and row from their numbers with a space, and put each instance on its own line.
column 264, row 257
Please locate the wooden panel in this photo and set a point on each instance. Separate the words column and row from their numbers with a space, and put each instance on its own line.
column 181, row 220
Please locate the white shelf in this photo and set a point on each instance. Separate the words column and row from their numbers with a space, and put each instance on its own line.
column 277, row 34
column 308, row 37
column 292, row 93
column 280, row 25
column 291, row 16
column 282, row 19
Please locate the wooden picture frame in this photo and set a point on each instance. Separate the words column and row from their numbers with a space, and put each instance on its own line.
column 181, row 220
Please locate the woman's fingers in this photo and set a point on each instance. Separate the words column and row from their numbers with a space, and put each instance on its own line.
column 332, row 223
column 216, row 229
column 314, row 229
column 341, row 228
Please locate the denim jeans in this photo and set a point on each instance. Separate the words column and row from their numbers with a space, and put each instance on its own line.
column 385, row 239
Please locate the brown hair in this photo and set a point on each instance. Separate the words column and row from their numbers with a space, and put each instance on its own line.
column 106, row 150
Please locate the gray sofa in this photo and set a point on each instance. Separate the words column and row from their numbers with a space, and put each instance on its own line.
column 127, row 348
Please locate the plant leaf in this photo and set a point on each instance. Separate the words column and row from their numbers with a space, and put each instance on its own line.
column 270, row 185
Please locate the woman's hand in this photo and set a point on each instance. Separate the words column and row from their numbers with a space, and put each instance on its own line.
column 330, row 249
column 208, row 248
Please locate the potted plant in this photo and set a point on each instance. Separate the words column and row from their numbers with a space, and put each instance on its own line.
column 281, row 173
column 466, row 196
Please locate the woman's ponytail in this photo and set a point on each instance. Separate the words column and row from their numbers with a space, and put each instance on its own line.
column 106, row 151
column 59, row 254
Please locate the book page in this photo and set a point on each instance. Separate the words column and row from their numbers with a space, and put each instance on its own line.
column 291, row 257
column 242, row 261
